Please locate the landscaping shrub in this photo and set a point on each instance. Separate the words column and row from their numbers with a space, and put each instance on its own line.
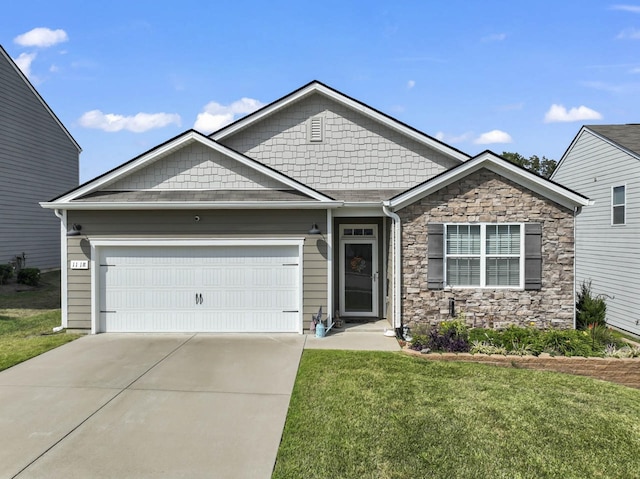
column 589, row 309
column 448, row 336
column 29, row 276
column 6, row 272
column 453, row 336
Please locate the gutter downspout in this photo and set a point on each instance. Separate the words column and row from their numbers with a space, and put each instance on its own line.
column 62, row 214
column 397, row 265
column 575, row 260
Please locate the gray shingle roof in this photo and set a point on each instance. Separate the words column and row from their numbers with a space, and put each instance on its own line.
column 195, row 195
column 627, row 136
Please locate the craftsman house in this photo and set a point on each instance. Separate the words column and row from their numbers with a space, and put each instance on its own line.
column 314, row 200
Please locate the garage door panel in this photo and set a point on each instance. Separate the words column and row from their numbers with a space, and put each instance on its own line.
column 217, row 289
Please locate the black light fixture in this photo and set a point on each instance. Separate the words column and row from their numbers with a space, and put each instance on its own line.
column 75, row 230
column 314, row 229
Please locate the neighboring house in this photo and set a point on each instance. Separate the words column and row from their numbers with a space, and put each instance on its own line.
column 603, row 162
column 315, row 200
column 38, row 160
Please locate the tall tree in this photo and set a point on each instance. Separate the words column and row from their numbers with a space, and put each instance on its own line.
column 543, row 167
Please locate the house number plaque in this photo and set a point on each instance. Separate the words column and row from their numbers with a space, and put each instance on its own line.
column 83, row 264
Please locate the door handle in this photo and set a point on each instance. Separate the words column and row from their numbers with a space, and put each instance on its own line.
column 201, row 300
column 196, row 298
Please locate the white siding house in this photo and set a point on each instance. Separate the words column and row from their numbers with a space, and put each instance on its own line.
column 603, row 163
column 38, row 161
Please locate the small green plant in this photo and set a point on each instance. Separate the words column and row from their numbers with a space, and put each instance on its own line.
column 6, row 273
column 485, row 347
column 590, row 309
column 29, row 276
column 611, row 351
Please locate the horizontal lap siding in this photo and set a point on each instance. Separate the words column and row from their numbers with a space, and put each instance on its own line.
column 607, row 255
column 264, row 224
column 38, row 162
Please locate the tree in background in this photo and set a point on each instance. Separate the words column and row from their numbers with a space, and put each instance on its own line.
column 543, row 167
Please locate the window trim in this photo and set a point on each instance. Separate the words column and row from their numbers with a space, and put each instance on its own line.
column 615, row 205
column 483, row 257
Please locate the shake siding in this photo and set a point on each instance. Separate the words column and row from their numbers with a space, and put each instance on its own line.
column 196, row 167
column 38, row 161
column 356, row 151
column 180, row 224
column 607, row 255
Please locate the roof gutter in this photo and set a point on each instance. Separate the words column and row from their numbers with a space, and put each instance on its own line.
column 397, row 266
column 195, row 205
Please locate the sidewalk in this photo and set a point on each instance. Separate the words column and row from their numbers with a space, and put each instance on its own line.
column 356, row 337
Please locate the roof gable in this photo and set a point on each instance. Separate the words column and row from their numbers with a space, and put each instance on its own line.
column 185, row 163
column 623, row 136
column 500, row 166
column 29, row 86
column 316, row 87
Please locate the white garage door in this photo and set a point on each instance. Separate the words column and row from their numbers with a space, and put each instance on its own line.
column 199, row 289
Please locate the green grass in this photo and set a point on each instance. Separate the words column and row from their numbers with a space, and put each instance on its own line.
column 387, row 415
column 27, row 320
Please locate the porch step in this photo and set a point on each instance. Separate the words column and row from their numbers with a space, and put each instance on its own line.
column 369, row 327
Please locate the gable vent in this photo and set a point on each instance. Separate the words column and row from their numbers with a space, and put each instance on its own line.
column 315, row 132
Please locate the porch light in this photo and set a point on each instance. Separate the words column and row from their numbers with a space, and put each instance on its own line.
column 75, row 230
column 314, row 229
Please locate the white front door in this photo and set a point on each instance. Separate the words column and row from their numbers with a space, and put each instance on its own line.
column 359, row 270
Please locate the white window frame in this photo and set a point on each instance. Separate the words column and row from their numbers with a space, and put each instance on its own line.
column 483, row 256
column 623, row 204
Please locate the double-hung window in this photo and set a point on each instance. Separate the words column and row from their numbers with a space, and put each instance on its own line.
column 618, row 201
column 484, row 255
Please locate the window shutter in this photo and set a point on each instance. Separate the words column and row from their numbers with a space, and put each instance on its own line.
column 315, row 129
column 435, row 247
column 533, row 256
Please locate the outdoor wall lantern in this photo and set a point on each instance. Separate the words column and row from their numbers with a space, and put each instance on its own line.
column 314, row 229
column 75, row 230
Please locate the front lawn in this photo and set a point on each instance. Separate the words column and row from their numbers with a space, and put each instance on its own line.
column 27, row 319
column 387, row 415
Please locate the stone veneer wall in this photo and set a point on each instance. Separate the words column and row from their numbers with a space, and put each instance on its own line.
column 485, row 197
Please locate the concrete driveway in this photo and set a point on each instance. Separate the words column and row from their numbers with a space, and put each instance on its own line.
column 170, row 405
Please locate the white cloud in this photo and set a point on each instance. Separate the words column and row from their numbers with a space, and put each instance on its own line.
column 627, row 8
column 215, row 115
column 496, row 37
column 41, row 37
column 629, row 34
column 450, row 139
column 411, row 84
column 493, row 136
column 558, row 113
column 24, row 63
column 138, row 123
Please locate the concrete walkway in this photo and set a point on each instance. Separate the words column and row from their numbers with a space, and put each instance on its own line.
column 158, row 405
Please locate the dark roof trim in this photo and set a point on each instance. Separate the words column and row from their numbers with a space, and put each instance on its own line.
column 204, row 137
column 339, row 93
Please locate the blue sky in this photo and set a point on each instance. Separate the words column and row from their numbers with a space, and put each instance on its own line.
column 124, row 76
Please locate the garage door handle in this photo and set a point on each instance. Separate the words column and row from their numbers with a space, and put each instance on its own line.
column 201, row 300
